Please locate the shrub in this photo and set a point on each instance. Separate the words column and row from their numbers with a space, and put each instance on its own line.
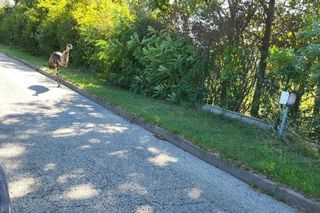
column 55, row 26
column 18, row 27
column 129, row 50
column 161, row 64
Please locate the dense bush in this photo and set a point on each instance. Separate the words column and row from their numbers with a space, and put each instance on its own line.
column 18, row 27
column 127, row 48
column 38, row 29
column 159, row 64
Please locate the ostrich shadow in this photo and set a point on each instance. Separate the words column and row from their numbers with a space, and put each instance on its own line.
column 38, row 89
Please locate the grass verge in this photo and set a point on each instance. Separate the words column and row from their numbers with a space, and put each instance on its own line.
column 242, row 144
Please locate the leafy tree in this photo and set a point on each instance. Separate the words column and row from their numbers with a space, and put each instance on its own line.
column 235, row 54
column 260, row 75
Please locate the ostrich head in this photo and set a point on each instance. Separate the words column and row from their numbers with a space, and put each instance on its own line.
column 69, row 47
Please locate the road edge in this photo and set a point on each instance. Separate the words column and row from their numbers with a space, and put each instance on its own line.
column 269, row 187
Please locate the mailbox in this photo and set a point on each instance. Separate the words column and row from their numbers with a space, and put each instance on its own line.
column 292, row 99
column 284, row 97
column 287, row 98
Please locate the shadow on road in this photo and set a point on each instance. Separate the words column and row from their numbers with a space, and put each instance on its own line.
column 38, row 89
column 69, row 157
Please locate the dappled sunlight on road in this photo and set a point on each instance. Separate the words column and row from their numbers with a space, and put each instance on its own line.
column 77, row 129
column 107, row 128
column 119, row 154
column 95, row 115
column 153, row 150
column 194, row 193
column 86, row 106
column 10, row 121
column 144, row 209
column 32, row 131
column 11, row 166
column 162, row 158
column 49, row 166
column 21, row 187
column 11, row 150
column 85, row 147
column 130, row 187
column 69, row 131
column 94, row 140
column 82, row 191
column 75, row 174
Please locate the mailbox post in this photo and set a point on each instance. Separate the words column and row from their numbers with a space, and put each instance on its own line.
column 287, row 99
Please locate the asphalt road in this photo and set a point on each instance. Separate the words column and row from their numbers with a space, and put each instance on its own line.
column 64, row 153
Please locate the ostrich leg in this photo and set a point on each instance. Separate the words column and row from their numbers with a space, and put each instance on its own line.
column 57, row 75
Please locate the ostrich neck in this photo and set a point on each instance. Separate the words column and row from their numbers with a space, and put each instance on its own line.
column 65, row 57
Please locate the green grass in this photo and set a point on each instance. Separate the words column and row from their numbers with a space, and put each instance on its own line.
column 243, row 144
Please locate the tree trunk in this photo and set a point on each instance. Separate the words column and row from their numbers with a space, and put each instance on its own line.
column 223, row 93
column 262, row 64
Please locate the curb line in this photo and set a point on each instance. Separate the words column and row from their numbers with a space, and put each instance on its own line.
column 262, row 124
column 286, row 195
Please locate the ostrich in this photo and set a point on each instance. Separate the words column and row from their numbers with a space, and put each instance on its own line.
column 58, row 60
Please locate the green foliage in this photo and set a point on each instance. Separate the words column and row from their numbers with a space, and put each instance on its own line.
column 48, row 30
column 17, row 26
column 285, row 63
column 171, row 67
column 302, row 66
column 97, row 25
column 243, row 144
column 130, row 50
column 183, row 51
column 236, row 73
column 159, row 64
column 311, row 51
